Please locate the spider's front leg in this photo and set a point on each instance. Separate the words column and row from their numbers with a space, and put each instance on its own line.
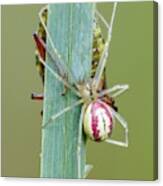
column 56, row 56
column 60, row 66
column 59, row 78
column 105, row 54
column 42, row 49
column 114, row 91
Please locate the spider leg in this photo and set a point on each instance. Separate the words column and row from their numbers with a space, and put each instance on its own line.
column 102, row 19
column 80, row 141
column 55, row 116
column 42, row 48
column 58, row 77
column 124, row 124
column 87, row 167
column 114, row 91
column 105, row 53
column 59, row 62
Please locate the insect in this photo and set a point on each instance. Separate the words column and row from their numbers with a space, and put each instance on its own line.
column 98, row 113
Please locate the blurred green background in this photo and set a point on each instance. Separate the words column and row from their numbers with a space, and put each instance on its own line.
column 131, row 62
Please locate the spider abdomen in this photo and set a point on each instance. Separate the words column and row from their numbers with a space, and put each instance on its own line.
column 98, row 121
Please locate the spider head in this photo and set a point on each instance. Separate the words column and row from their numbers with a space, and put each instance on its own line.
column 85, row 91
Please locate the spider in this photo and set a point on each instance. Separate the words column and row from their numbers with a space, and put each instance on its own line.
column 98, row 112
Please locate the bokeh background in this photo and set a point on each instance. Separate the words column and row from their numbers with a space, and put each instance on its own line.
column 131, row 61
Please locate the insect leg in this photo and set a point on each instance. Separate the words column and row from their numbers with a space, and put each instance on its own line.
column 114, row 91
column 105, row 53
column 55, row 116
column 124, row 124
